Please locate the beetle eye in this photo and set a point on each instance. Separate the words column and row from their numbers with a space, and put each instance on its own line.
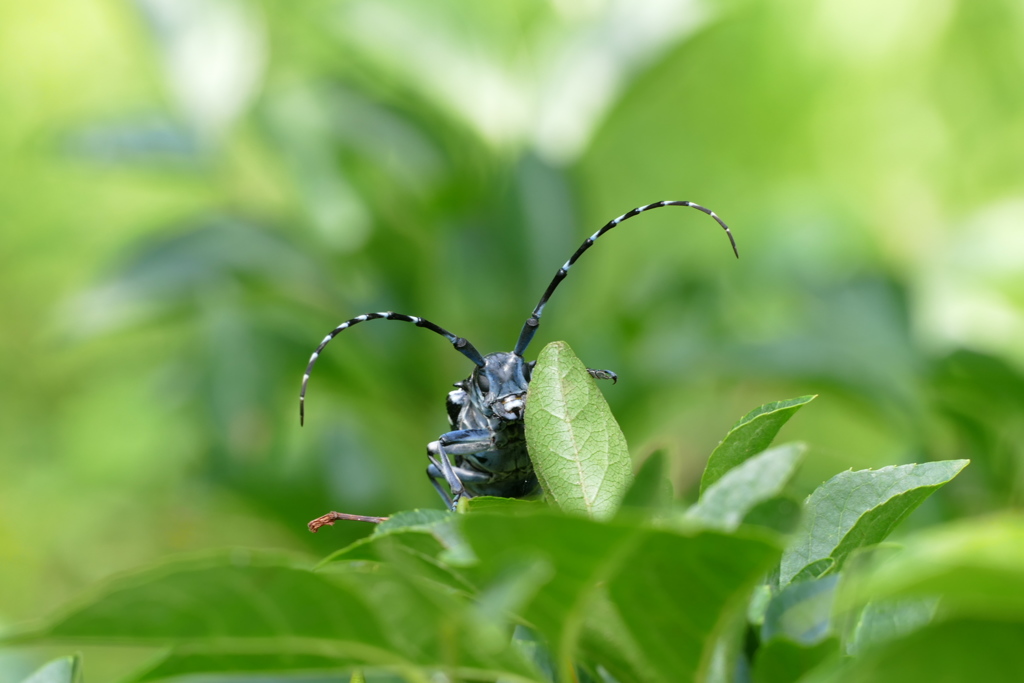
column 528, row 370
column 483, row 383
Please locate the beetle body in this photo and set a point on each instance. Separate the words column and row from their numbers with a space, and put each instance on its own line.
column 486, row 411
column 485, row 451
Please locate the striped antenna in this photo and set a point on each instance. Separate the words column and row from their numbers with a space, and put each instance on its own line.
column 533, row 322
column 461, row 345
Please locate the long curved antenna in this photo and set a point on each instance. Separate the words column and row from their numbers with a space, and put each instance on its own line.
column 461, row 345
column 533, row 322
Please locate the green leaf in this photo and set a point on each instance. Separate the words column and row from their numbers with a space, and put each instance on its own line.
column 412, row 519
column 506, row 506
column 606, row 639
column 429, row 535
column 182, row 662
column 237, row 594
column 246, row 604
column 751, row 435
column 801, row 612
column 579, row 552
column 727, row 660
column 953, row 651
column 857, row 509
column 814, row 570
column 671, row 591
column 758, row 605
column 677, row 594
column 651, row 489
column 416, row 552
column 577, row 448
column 783, row 661
column 884, row 620
column 63, row 670
column 726, row 502
column 781, row 514
column 975, row 565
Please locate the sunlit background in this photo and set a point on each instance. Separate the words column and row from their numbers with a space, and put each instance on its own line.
column 193, row 192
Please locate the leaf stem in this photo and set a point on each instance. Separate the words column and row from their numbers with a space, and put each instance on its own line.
column 331, row 517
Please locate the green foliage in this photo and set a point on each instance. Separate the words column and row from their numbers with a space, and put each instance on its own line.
column 63, row 670
column 195, row 192
column 759, row 479
column 751, row 435
column 855, row 509
column 955, row 649
column 651, row 489
column 801, row 612
column 515, row 590
column 577, row 448
column 975, row 565
column 783, row 661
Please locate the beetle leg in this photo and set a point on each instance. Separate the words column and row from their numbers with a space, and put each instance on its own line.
column 433, row 472
column 603, row 374
column 458, row 442
column 444, row 464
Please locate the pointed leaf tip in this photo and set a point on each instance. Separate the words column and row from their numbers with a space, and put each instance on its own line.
column 748, row 437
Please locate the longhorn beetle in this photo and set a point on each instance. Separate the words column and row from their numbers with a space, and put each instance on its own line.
column 485, row 453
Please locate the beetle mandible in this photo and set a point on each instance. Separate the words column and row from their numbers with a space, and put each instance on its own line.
column 485, row 453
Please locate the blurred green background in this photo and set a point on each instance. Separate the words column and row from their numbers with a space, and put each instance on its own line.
column 193, row 192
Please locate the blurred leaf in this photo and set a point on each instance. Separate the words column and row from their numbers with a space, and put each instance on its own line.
column 726, row 502
column 653, row 578
column 418, row 541
column 883, row 620
column 677, row 593
column 242, row 594
column 982, row 397
column 414, row 527
column 412, row 519
column 946, row 652
column 856, row 509
column 148, row 140
column 751, row 435
column 181, row 662
column 801, row 612
column 496, row 607
column 781, row 514
column 505, row 506
column 728, row 662
column 651, row 488
column 431, row 626
column 605, row 638
column 577, row 448
column 579, row 551
column 814, row 570
column 171, row 270
column 416, row 552
column 785, row 661
column 975, row 565
column 426, row 543
column 244, row 603
column 758, row 606
column 63, row 670
column 535, row 650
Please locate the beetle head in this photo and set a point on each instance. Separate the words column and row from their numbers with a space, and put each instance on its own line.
column 501, row 383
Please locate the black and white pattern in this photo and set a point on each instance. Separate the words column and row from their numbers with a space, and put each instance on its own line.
column 485, row 453
column 461, row 345
column 533, row 322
